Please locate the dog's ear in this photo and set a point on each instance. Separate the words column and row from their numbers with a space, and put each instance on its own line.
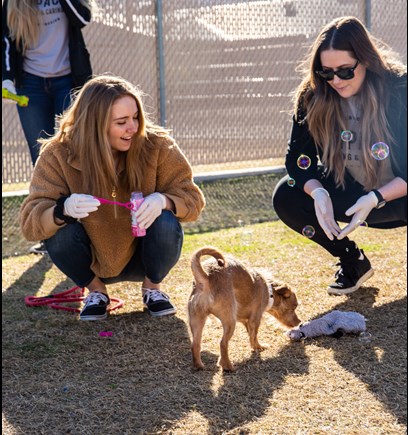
column 283, row 290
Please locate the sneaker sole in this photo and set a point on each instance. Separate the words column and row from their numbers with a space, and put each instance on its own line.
column 93, row 317
column 168, row 312
column 37, row 252
column 346, row 291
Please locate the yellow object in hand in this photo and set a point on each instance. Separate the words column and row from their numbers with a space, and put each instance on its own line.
column 21, row 100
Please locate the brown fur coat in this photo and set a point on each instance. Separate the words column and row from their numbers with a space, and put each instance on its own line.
column 56, row 174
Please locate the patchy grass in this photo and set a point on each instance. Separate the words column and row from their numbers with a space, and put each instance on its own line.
column 60, row 377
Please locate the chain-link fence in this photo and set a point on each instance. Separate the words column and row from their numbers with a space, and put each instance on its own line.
column 218, row 73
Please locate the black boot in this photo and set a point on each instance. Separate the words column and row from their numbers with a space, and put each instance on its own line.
column 351, row 275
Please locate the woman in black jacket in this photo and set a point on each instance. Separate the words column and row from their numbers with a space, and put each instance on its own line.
column 44, row 57
column 347, row 154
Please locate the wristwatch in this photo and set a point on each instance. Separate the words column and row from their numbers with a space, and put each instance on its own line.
column 381, row 200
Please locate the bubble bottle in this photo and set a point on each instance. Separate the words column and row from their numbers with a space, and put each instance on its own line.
column 136, row 199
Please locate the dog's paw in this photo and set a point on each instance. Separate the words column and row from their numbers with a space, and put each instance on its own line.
column 229, row 369
column 260, row 347
column 226, row 365
column 198, row 366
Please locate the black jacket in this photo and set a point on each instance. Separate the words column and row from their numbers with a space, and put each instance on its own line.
column 302, row 142
column 78, row 16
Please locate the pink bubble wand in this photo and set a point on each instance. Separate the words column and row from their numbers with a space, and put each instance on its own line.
column 128, row 205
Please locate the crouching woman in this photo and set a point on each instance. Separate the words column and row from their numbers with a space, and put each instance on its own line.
column 104, row 149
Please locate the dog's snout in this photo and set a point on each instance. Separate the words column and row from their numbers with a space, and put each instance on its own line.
column 295, row 323
column 289, row 320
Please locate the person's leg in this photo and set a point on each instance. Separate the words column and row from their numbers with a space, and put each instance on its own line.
column 60, row 88
column 354, row 271
column 37, row 119
column 155, row 255
column 161, row 247
column 296, row 209
column 161, row 250
column 70, row 251
column 47, row 98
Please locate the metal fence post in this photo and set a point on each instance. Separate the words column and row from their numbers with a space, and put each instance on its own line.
column 367, row 14
column 160, row 56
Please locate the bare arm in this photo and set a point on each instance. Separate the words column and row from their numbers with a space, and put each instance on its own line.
column 396, row 188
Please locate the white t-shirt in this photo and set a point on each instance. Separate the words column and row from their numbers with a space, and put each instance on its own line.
column 50, row 56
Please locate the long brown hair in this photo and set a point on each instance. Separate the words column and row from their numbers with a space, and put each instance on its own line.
column 322, row 103
column 83, row 128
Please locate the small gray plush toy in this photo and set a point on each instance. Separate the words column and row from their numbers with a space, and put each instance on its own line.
column 336, row 324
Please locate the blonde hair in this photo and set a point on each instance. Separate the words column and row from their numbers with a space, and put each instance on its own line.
column 22, row 20
column 83, row 128
column 322, row 104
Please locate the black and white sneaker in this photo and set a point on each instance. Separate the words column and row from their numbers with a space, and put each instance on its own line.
column 351, row 275
column 158, row 303
column 38, row 248
column 96, row 307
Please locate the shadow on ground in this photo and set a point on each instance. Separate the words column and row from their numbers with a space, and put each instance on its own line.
column 381, row 362
column 60, row 376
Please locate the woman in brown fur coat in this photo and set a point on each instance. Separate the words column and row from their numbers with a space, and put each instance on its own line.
column 105, row 147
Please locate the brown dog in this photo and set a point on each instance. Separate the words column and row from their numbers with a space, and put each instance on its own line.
column 232, row 292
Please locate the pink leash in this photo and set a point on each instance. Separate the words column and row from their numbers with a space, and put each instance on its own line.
column 74, row 294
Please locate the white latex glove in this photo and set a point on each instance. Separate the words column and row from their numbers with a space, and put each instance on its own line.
column 361, row 209
column 324, row 212
column 9, row 85
column 150, row 209
column 79, row 205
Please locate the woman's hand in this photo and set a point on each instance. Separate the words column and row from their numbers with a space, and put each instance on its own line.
column 150, row 209
column 9, row 85
column 79, row 205
column 324, row 212
column 361, row 209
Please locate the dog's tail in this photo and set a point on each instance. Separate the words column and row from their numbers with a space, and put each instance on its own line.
column 198, row 271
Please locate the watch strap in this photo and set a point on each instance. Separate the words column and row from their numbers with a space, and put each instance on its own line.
column 381, row 200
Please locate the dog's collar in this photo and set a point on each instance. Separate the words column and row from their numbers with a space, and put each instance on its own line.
column 270, row 302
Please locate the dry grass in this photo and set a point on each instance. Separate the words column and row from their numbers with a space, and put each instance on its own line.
column 60, row 377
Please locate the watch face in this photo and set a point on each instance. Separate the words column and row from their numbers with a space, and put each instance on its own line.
column 381, row 204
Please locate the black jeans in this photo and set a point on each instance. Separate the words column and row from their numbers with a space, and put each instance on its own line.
column 296, row 209
column 155, row 254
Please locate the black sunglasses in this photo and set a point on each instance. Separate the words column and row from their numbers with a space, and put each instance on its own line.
column 342, row 73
